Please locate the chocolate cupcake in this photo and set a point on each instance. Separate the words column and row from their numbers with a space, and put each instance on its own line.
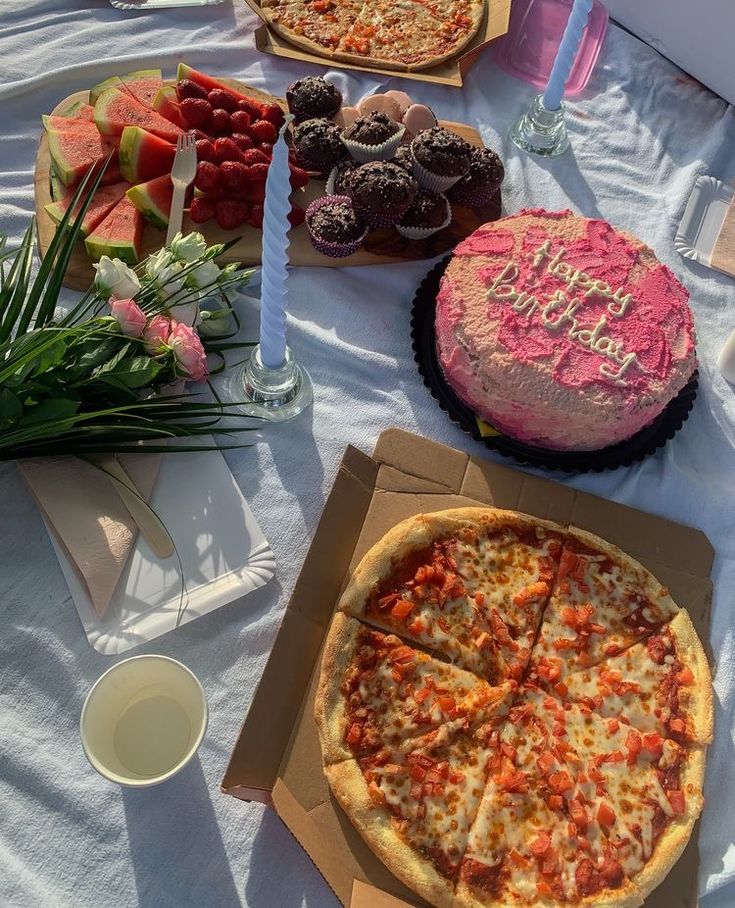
column 318, row 145
column 336, row 181
column 381, row 192
column 428, row 213
column 403, row 158
column 373, row 137
column 481, row 181
column 440, row 158
column 334, row 227
column 313, row 97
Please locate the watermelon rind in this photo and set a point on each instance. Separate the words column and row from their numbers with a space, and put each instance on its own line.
column 74, row 153
column 143, row 84
column 118, row 235
column 208, row 82
column 100, row 87
column 144, row 156
column 56, row 184
column 115, row 109
column 104, row 200
column 153, row 199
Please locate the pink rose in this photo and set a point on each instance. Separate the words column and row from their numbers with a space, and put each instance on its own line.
column 188, row 351
column 156, row 334
column 130, row 317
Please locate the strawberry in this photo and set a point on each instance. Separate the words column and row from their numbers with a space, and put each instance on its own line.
column 296, row 215
column 208, row 176
column 251, row 106
column 263, row 131
column 221, row 121
column 235, row 175
column 226, row 150
column 225, row 100
column 242, row 140
column 299, row 177
column 258, row 172
column 199, row 134
column 240, row 120
column 254, row 156
column 196, row 111
column 267, row 149
column 188, row 89
column 255, row 192
column 205, row 151
column 201, row 209
column 273, row 113
column 256, row 216
column 230, row 213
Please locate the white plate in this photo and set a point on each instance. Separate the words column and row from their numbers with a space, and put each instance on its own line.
column 702, row 220
column 223, row 551
column 144, row 5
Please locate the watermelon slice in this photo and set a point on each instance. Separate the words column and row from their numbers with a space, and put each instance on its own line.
column 143, row 85
column 119, row 235
column 167, row 105
column 57, row 187
column 75, row 152
column 115, row 109
column 68, row 124
column 186, row 72
column 112, row 82
column 79, row 112
column 153, row 199
column 103, row 202
column 144, row 156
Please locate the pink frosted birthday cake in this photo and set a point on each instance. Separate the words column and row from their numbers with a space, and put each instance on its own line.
column 561, row 331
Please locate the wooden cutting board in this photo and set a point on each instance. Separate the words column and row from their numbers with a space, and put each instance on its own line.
column 381, row 246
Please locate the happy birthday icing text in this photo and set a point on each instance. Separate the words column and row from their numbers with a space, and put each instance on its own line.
column 560, row 311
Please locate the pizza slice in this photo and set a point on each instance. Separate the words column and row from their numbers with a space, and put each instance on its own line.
column 394, row 697
column 603, row 601
column 469, row 583
column 414, row 809
column 317, row 25
column 640, row 790
column 661, row 684
column 525, row 847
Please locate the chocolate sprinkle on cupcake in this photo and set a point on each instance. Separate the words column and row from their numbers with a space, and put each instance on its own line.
column 428, row 209
column 481, row 181
column 313, row 97
column 442, row 152
column 403, row 158
column 318, row 144
column 373, row 129
column 381, row 192
column 336, row 223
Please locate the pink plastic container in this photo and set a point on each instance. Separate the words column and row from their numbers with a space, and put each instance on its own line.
column 528, row 50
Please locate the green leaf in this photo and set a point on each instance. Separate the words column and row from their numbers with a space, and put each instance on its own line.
column 11, row 409
column 50, row 410
column 132, row 372
column 114, row 362
column 51, row 356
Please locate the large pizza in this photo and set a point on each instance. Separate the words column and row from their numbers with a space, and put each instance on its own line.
column 512, row 712
column 403, row 35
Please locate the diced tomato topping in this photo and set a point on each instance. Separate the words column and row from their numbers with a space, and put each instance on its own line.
column 417, row 773
column 617, row 756
column 531, row 593
column 578, row 814
column 545, row 762
column 652, row 746
column 634, row 744
column 611, row 873
column 561, row 688
column 567, row 563
column 676, row 799
column 416, row 627
column 514, row 782
column 555, row 802
column 517, row 858
column 559, row 782
column 613, row 725
column 401, row 609
column 480, row 599
column 540, row 844
column 677, row 726
column 421, row 694
column 402, row 654
column 605, row 815
column 543, row 888
column 657, row 648
column 354, row 733
column 388, row 601
column 545, row 569
column 685, row 676
column 416, row 791
column 509, row 751
column 549, row 669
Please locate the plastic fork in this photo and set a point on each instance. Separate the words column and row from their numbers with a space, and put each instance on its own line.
column 182, row 175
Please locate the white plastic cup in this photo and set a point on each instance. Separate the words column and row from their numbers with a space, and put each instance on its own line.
column 143, row 720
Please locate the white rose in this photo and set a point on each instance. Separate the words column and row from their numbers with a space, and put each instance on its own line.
column 164, row 272
column 114, row 278
column 156, row 263
column 188, row 248
column 203, row 275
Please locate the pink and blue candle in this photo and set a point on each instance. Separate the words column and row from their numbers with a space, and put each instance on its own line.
column 566, row 54
column 275, row 257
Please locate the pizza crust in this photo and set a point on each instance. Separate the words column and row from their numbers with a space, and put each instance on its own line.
column 329, row 706
column 375, row 825
column 691, row 652
column 627, row 896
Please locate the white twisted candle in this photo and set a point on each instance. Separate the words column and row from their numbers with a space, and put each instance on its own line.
column 275, row 256
column 566, row 54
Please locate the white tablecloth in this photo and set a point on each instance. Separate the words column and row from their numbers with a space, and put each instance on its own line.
column 641, row 134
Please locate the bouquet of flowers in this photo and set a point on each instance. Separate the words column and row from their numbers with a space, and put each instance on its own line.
column 109, row 374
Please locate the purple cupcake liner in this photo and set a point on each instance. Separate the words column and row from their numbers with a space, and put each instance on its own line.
column 380, row 218
column 314, row 166
column 329, row 247
column 472, row 197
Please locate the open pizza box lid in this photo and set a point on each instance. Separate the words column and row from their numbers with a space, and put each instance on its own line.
column 277, row 758
column 451, row 72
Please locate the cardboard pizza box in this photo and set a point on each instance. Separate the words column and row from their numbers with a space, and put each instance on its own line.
column 451, row 72
column 277, row 758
